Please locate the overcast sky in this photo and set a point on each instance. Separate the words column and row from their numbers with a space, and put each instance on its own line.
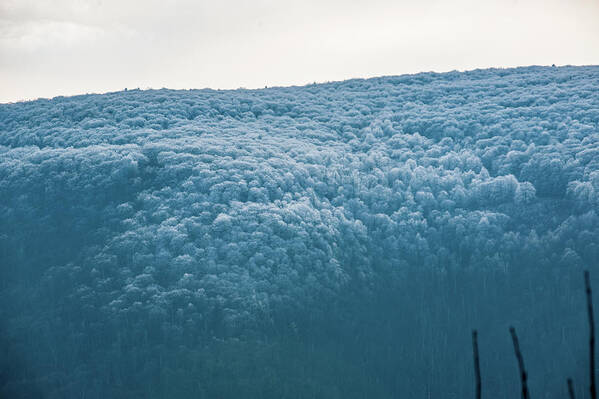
column 64, row 47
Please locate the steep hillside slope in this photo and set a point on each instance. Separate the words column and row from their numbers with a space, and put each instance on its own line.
column 329, row 240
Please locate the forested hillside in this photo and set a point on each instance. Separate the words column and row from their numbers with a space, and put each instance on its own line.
column 335, row 240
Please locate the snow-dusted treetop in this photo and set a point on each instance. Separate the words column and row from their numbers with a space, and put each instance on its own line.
column 247, row 200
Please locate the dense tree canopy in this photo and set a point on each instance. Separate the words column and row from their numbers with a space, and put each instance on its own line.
column 169, row 236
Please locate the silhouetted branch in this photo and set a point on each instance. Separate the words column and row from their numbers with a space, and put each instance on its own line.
column 476, row 363
column 587, row 283
column 571, row 389
column 523, row 375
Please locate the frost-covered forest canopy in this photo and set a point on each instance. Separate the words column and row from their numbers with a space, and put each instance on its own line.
column 335, row 240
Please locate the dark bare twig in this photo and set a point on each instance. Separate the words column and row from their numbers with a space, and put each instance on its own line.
column 523, row 375
column 587, row 283
column 476, row 363
column 571, row 389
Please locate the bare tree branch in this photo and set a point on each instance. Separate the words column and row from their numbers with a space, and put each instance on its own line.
column 476, row 363
column 571, row 389
column 523, row 375
column 587, row 283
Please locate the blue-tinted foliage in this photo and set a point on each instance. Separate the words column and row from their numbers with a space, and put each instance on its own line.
column 253, row 220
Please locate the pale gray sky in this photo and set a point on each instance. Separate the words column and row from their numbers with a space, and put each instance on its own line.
column 65, row 47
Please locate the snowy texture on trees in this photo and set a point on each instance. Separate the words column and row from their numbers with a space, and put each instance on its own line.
column 222, row 208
